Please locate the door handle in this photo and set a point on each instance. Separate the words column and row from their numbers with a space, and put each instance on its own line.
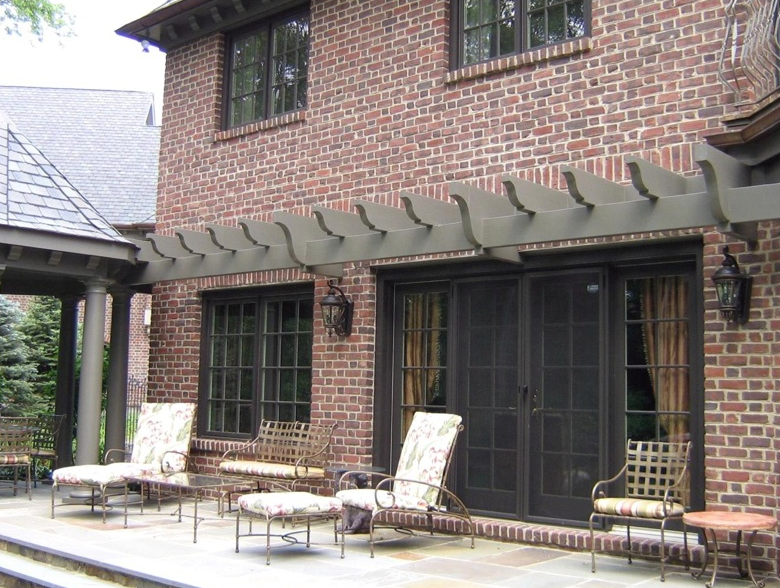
column 534, row 398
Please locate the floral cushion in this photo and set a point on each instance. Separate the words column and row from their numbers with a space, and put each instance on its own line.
column 424, row 457
column 634, row 507
column 425, row 454
column 86, row 475
column 277, row 504
column 163, row 427
column 264, row 469
column 370, row 499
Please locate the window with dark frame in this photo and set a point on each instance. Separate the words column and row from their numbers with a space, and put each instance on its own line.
column 490, row 29
column 256, row 362
column 268, row 69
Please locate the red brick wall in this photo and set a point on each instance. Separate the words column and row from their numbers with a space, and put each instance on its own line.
column 385, row 114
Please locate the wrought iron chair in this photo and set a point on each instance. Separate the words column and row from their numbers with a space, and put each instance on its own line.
column 416, row 493
column 16, row 434
column 651, row 487
column 44, row 446
column 161, row 444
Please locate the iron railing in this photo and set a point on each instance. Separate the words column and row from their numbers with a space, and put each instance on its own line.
column 750, row 55
column 136, row 394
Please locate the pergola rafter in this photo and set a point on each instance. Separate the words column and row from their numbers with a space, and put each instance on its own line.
column 477, row 221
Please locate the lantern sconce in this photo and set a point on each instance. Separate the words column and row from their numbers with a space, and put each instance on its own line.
column 336, row 311
column 733, row 289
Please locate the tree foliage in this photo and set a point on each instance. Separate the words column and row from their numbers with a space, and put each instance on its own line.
column 17, row 396
column 19, row 16
column 40, row 326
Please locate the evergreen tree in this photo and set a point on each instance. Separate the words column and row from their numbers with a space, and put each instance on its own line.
column 40, row 327
column 16, row 370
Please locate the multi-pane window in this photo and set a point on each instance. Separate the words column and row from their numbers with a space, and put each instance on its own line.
column 286, row 365
column 268, row 70
column 256, row 362
column 424, row 363
column 657, row 363
column 490, row 29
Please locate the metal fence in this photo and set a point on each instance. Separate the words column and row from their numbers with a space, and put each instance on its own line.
column 136, row 395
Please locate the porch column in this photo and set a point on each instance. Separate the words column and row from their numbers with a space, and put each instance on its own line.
column 65, row 398
column 91, row 380
column 118, row 359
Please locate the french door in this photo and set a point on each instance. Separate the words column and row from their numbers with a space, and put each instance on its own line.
column 551, row 370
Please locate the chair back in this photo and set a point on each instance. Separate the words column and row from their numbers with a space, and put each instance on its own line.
column 653, row 467
column 16, row 434
column 164, row 428
column 47, row 428
column 426, row 454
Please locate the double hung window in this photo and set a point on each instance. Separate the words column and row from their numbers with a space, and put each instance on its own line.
column 489, row 29
column 268, row 69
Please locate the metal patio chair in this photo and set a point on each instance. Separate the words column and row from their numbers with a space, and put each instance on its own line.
column 44, row 445
column 651, row 488
column 161, row 444
column 16, row 434
column 416, row 494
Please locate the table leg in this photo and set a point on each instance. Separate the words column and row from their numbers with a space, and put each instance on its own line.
column 195, row 517
column 748, row 563
column 125, row 504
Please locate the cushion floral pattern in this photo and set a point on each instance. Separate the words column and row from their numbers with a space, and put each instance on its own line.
column 279, row 504
column 163, row 428
column 424, row 458
column 269, row 470
column 86, row 475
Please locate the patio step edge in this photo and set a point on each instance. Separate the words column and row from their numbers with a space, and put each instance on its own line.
column 40, row 566
column 18, row 571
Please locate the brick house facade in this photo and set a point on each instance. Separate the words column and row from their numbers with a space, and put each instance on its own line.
column 387, row 112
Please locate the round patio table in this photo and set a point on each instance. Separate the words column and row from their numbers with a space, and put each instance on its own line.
column 712, row 521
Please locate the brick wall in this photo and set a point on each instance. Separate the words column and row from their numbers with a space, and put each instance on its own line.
column 385, row 114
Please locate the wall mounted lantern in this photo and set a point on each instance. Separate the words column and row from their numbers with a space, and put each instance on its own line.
column 733, row 288
column 336, row 312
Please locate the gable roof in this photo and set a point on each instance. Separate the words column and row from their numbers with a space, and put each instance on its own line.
column 104, row 141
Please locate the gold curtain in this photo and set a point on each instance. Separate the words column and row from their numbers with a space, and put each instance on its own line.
column 665, row 308
column 421, row 362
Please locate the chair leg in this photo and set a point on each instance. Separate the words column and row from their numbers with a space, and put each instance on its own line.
column 663, row 552
column 628, row 537
column 592, row 544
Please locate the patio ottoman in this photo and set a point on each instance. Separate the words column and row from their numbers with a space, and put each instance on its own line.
column 94, row 477
column 295, row 506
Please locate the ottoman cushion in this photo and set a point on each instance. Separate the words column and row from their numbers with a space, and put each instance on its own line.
column 279, row 504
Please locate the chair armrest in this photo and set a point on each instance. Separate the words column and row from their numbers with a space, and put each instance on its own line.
column 344, row 482
column 165, row 467
column 110, row 452
column 386, row 481
column 599, row 488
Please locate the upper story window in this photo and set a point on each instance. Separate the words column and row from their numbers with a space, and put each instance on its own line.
column 489, row 29
column 268, row 69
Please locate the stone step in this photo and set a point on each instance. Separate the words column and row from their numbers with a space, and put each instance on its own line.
column 25, row 565
column 18, row 571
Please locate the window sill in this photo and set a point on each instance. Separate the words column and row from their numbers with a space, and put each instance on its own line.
column 260, row 126
column 478, row 70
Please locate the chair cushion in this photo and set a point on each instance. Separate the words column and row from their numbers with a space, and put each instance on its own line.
column 12, row 459
column 264, row 469
column 163, row 427
column 276, row 504
column 86, row 475
column 635, row 507
column 366, row 499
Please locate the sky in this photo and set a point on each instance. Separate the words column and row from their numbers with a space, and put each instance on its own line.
column 95, row 57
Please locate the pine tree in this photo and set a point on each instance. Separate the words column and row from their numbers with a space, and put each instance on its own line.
column 41, row 326
column 16, row 370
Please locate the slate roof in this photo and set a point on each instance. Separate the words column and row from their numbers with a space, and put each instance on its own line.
column 34, row 195
column 104, row 141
